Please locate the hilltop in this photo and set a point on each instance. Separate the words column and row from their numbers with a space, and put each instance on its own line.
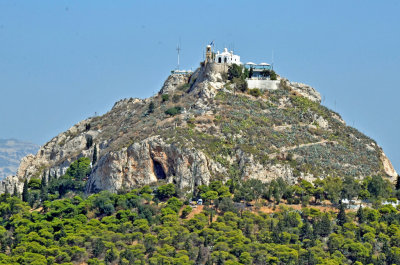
column 11, row 153
column 206, row 126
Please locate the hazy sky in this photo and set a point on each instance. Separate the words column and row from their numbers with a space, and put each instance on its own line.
column 62, row 61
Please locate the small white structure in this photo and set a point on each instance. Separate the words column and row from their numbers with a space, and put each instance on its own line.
column 227, row 57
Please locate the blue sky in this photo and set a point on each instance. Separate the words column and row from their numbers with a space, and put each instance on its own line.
column 62, row 61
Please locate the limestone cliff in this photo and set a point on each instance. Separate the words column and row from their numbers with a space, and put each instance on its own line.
column 203, row 130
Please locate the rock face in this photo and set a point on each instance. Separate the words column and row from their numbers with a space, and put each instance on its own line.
column 173, row 82
column 148, row 162
column 389, row 169
column 215, row 133
column 304, row 90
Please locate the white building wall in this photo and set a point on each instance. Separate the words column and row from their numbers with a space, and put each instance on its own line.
column 263, row 84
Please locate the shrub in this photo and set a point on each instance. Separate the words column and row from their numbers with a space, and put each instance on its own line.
column 255, row 92
column 273, row 75
column 240, row 84
column 175, row 98
column 174, row 111
column 186, row 211
column 184, row 87
column 165, row 97
column 151, row 107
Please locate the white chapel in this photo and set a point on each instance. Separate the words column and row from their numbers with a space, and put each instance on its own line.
column 227, row 57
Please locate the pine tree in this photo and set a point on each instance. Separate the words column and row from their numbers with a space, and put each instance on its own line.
column 398, row 182
column 361, row 215
column 43, row 183
column 43, row 189
column 325, row 225
column 6, row 193
column 25, row 192
column 15, row 192
column 94, row 159
column 151, row 107
column 251, row 72
column 341, row 217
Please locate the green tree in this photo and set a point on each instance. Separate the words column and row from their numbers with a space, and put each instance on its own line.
column 111, row 255
column 79, row 169
column 378, row 187
column 398, row 182
column 186, row 211
column 166, row 191
column 341, row 217
column 175, row 204
column 43, row 189
column 360, row 215
column 251, row 72
column 25, row 192
column 350, row 188
column 15, row 192
column 6, row 192
column 34, row 184
column 89, row 141
column 333, row 187
column 246, row 258
column 210, row 195
column 235, row 71
column 151, row 107
column 94, row 158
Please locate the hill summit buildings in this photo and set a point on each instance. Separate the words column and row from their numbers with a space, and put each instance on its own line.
column 260, row 74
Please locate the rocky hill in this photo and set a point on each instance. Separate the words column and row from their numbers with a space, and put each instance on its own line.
column 11, row 153
column 200, row 128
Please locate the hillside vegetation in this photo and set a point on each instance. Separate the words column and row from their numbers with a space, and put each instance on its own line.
column 151, row 225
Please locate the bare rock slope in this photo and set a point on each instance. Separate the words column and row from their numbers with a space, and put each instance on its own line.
column 204, row 130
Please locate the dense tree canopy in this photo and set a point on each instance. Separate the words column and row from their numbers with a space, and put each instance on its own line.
column 152, row 225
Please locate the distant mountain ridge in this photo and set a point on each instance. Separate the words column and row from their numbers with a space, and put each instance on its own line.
column 11, row 153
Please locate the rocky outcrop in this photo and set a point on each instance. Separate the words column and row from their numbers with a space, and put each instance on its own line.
column 54, row 157
column 173, row 82
column 304, row 90
column 148, row 162
column 388, row 167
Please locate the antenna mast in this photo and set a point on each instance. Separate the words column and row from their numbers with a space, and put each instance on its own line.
column 178, row 50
